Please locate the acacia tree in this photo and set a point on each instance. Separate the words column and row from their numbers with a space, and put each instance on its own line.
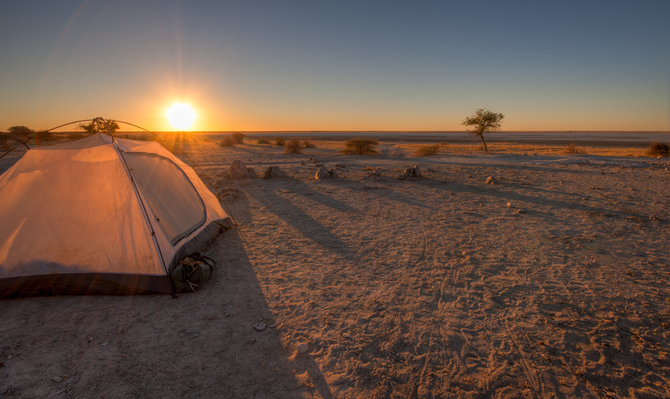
column 483, row 121
column 22, row 132
column 99, row 125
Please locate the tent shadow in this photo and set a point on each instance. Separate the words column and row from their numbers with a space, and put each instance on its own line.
column 219, row 342
column 307, row 373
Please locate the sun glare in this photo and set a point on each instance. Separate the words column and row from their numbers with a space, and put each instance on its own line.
column 181, row 116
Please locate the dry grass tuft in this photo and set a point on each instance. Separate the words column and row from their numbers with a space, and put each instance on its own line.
column 279, row 141
column 238, row 137
column 573, row 149
column 293, row 146
column 228, row 141
column 308, row 144
column 262, row 141
column 659, row 150
column 427, row 150
column 360, row 146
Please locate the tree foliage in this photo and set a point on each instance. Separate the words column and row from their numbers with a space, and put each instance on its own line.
column 21, row 132
column 483, row 121
column 99, row 125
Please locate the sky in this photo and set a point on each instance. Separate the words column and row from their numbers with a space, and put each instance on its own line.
column 337, row 65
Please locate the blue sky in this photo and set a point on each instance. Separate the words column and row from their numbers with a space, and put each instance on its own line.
column 345, row 65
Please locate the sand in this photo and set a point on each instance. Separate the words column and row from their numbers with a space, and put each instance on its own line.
column 551, row 282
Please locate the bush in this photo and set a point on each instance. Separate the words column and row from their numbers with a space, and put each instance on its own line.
column 659, row 150
column 4, row 141
column 572, row 149
column 427, row 150
column 238, row 137
column 308, row 144
column 279, row 141
column 42, row 136
column 228, row 141
column 360, row 146
column 293, row 146
column 262, row 141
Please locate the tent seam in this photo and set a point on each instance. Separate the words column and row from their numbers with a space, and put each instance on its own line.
column 141, row 202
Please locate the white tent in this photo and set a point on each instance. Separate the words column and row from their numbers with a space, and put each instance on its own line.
column 101, row 215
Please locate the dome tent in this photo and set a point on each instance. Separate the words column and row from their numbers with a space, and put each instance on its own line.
column 103, row 216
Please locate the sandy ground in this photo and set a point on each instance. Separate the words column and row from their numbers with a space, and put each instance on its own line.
column 425, row 288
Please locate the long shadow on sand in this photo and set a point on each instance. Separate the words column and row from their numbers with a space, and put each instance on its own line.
column 519, row 166
column 218, row 342
column 298, row 187
column 297, row 218
column 542, row 201
column 376, row 188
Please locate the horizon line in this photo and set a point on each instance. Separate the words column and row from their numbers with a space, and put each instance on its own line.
column 401, row 131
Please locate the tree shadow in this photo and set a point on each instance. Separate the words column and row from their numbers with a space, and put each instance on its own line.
column 507, row 164
column 491, row 191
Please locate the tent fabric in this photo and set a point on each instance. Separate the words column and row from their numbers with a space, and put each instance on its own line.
column 100, row 215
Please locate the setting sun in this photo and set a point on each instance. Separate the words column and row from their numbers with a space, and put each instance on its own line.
column 181, row 116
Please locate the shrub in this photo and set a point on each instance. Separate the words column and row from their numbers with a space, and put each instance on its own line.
column 308, row 144
column 238, row 137
column 279, row 141
column 293, row 146
column 659, row 150
column 360, row 146
column 4, row 144
column 262, row 141
column 572, row 149
column 228, row 141
column 427, row 150
column 43, row 136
